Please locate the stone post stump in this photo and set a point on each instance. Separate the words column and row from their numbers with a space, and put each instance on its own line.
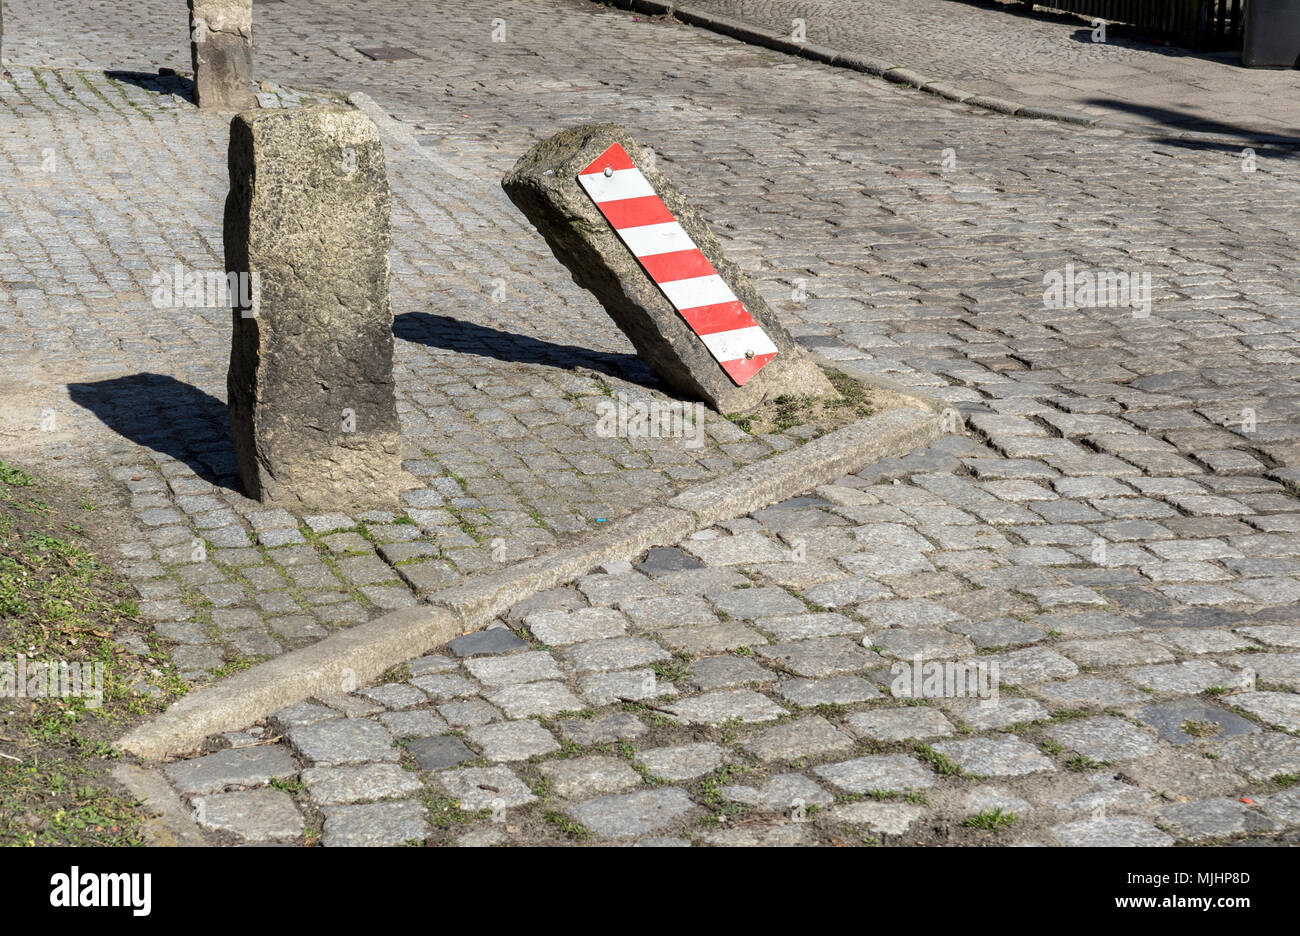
column 221, row 52
column 311, row 396
column 629, row 236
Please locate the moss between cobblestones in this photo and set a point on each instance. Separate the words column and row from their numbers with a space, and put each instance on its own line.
column 814, row 416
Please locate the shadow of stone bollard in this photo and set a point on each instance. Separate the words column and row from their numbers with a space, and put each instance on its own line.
column 628, row 235
column 221, row 52
column 312, row 407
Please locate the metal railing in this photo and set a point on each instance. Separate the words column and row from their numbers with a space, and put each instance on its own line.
column 1197, row 24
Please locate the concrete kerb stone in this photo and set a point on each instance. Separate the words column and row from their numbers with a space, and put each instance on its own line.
column 905, row 76
column 168, row 824
column 350, row 657
column 484, row 597
column 362, row 653
column 818, row 462
column 908, row 77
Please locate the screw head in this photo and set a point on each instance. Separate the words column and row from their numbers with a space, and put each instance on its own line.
column 749, row 355
column 608, row 172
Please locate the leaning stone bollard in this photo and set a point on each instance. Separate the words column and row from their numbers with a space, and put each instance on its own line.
column 312, row 407
column 221, row 51
column 628, row 235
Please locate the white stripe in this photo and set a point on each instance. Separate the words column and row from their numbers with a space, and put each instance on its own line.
column 732, row 345
column 621, row 183
column 697, row 291
column 648, row 239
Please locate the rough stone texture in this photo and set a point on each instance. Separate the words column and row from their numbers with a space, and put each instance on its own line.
column 889, row 818
column 539, row 698
column 917, row 721
column 513, row 741
column 237, row 767
column 510, row 670
column 889, row 772
column 1214, row 818
column 1120, row 831
column 1276, row 709
column 839, row 690
column 221, row 53
column 632, row 813
column 312, row 407
column 982, row 714
column 1261, row 756
column 1005, row 756
column 440, row 752
column 682, row 762
column 725, row 671
column 1104, row 739
column 780, row 793
column 713, row 708
column 330, row 786
column 602, row 730
column 1172, row 719
column 806, row 737
column 544, row 186
column 421, row 724
column 343, row 741
column 374, row 824
column 263, row 815
column 485, row 787
column 589, row 776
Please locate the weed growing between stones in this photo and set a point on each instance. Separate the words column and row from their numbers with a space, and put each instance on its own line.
column 808, row 417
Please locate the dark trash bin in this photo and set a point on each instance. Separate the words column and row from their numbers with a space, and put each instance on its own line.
column 1271, row 34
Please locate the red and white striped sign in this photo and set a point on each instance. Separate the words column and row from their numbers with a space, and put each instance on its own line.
column 627, row 200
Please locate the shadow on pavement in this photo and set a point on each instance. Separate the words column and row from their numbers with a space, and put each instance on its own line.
column 1179, row 120
column 441, row 331
column 159, row 82
column 169, row 416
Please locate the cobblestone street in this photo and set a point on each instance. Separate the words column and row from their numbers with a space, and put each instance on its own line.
column 1045, row 59
column 1114, row 532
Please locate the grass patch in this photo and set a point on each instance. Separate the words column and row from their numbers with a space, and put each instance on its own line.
column 59, row 604
column 940, row 763
column 994, row 820
column 566, row 825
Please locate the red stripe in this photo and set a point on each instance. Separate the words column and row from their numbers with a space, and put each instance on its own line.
column 725, row 316
column 635, row 212
column 677, row 265
column 615, row 158
column 744, row 368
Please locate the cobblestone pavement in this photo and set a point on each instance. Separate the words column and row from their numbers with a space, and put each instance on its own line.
column 756, row 685
column 1046, row 59
column 501, row 412
column 1119, row 532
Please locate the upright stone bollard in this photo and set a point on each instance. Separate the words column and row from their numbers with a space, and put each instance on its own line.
column 312, row 407
column 221, row 51
column 628, row 235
